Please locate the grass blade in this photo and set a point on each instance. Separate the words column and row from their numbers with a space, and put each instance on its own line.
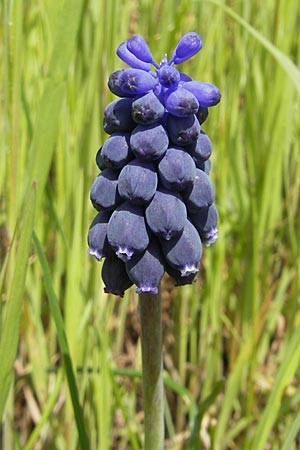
column 286, row 372
column 285, row 62
column 48, row 409
column 63, row 344
column 10, row 331
column 55, row 88
column 293, row 433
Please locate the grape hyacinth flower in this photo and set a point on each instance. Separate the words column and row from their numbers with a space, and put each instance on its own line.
column 153, row 196
column 156, row 157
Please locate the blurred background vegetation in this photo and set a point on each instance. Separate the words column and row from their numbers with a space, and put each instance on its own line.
column 231, row 340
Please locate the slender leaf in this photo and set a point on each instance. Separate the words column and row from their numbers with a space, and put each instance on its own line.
column 10, row 331
column 292, row 71
column 63, row 343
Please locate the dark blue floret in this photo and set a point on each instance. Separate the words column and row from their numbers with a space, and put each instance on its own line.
column 136, row 82
column 200, row 149
column 116, row 151
column 104, row 192
column 99, row 160
column 114, row 84
column 115, row 277
column 183, row 252
column 117, row 116
column 127, row 232
column 168, row 76
column 177, row 170
column 200, row 194
column 97, row 236
column 183, row 130
column 202, row 114
column 179, row 279
column 146, row 270
column 180, row 102
column 137, row 182
column 166, row 214
column 149, row 142
column 147, row 109
column 202, row 164
column 206, row 221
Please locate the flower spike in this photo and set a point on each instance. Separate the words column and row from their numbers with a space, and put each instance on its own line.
column 154, row 197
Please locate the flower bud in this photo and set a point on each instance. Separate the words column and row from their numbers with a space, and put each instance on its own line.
column 137, row 182
column 180, row 102
column 168, row 76
column 139, row 48
column 147, row 109
column 149, row 142
column 115, row 277
column 116, row 151
column 117, row 116
column 183, row 130
column 130, row 59
column 177, row 169
column 104, row 192
column 188, row 46
column 207, row 94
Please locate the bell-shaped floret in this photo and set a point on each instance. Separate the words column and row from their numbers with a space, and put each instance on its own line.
column 176, row 169
column 206, row 221
column 104, row 192
column 137, row 82
column 97, row 236
column 138, row 182
column 139, row 48
column 116, row 151
column 146, row 270
column 188, row 46
column 127, row 232
column 178, row 278
column 117, row 116
column 180, row 103
column 149, row 142
column 184, row 252
column 129, row 58
column 202, row 164
column 166, row 214
column 168, row 76
column 114, row 84
column 131, row 82
column 202, row 114
column 183, row 130
column 200, row 194
column 99, row 160
column 115, row 277
column 147, row 109
column 200, row 149
column 207, row 94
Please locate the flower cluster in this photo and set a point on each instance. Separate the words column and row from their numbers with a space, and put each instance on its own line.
column 154, row 198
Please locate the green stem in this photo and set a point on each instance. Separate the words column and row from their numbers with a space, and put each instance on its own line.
column 153, row 393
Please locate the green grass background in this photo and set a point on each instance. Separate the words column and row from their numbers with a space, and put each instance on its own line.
column 232, row 340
